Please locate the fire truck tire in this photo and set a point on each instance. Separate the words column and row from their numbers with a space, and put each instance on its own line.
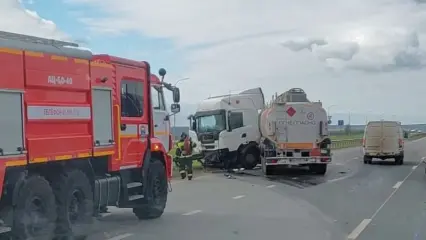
column 35, row 203
column 74, row 200
column 156, row 192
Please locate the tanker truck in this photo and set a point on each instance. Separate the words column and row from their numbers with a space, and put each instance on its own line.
column 294, row 132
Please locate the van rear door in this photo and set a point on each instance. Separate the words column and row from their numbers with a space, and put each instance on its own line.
column 373, row 137
column 391, row 135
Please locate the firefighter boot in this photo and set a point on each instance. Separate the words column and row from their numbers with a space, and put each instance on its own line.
column 183, row 174
column 189, row 168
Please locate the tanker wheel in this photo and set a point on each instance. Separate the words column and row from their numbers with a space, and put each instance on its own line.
column 74, row 200
column 319, row 169
column 267, row 170
column 34, row 210
column 156, row 191
column 250, row 159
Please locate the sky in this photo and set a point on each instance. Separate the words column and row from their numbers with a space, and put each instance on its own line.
column 362, row 58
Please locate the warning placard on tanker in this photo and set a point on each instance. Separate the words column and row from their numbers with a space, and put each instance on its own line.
column 55, row 112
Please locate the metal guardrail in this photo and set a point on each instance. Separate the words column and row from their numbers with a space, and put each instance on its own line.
column 345, row 143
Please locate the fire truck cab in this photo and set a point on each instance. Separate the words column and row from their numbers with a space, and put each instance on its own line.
column 78, row 132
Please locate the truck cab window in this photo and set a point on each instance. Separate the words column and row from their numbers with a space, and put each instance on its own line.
column 211, row 123
column 131, row 98
column 157, row 98
column 236, row 120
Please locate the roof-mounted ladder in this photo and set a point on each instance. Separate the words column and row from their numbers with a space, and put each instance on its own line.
column 32, row 39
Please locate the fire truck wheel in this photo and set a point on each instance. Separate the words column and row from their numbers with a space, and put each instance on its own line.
column 34, row 210
column 74, row 200
column 156, row 192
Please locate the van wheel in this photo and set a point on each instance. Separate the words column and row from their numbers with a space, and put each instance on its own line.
column 399, row 160
column 74, row 200
column 34, row 210
column 368, row 160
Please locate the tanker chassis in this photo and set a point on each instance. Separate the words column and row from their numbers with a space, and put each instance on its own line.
column 77, row 135
column 294, row 133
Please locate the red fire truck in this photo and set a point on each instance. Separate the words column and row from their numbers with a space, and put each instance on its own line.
column 76, row 135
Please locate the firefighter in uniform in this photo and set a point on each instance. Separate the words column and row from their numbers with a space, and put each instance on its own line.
column 184, row 150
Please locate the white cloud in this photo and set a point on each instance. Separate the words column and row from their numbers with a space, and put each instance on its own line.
column 359, row 54
column 15, row 18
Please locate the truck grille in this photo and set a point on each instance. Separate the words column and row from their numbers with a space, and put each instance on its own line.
column 207, row 138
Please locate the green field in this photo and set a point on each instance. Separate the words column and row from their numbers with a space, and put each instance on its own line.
column 347, row 136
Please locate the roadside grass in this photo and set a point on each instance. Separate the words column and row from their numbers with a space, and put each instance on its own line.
column 346, row 136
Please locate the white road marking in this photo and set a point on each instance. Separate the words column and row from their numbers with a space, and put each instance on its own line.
column 414, row 167
column 398, row 184
column 122, row 236
column 339, row 179
column 338, row 164
column 270, row 186
column 355, row 158
column 358, row 230
column 239, row 196
column 191, row 213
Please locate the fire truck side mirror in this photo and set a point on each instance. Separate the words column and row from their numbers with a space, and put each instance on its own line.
column 329, row 121
column 176, row 95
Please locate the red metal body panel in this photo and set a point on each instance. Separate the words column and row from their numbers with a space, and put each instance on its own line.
column 12, row 62
column 155, row 79
column 53, row 126
column 133, row 147
column 156, row 145
column 130, row 147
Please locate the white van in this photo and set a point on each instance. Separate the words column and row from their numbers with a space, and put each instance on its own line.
column 383, row 140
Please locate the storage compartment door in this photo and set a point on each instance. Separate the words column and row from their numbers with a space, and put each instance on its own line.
column 11, row 125
column 102, row 117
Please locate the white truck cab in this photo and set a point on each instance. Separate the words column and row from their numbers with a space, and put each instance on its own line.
column 227, row 127
column 383, row 140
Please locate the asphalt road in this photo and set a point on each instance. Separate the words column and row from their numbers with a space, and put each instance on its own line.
column 352, row 201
